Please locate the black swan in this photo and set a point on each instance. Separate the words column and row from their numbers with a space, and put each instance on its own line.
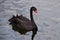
column 23, row 25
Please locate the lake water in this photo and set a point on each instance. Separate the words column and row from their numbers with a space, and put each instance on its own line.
column 48, row 19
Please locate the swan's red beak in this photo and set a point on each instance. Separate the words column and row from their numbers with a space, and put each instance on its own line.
column 36, row 12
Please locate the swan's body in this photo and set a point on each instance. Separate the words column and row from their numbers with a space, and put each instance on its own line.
column 23, row 25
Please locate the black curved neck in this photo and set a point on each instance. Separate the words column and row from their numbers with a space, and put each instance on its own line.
column 31, row 15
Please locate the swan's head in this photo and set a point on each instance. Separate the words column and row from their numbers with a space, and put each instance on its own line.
column 34, row 9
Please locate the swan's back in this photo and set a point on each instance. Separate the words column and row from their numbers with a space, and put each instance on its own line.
column 25, row 23
column 23, row 18
column 22, row 23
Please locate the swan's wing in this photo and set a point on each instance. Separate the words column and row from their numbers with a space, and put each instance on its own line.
column 25, row 24
column 23, row 18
